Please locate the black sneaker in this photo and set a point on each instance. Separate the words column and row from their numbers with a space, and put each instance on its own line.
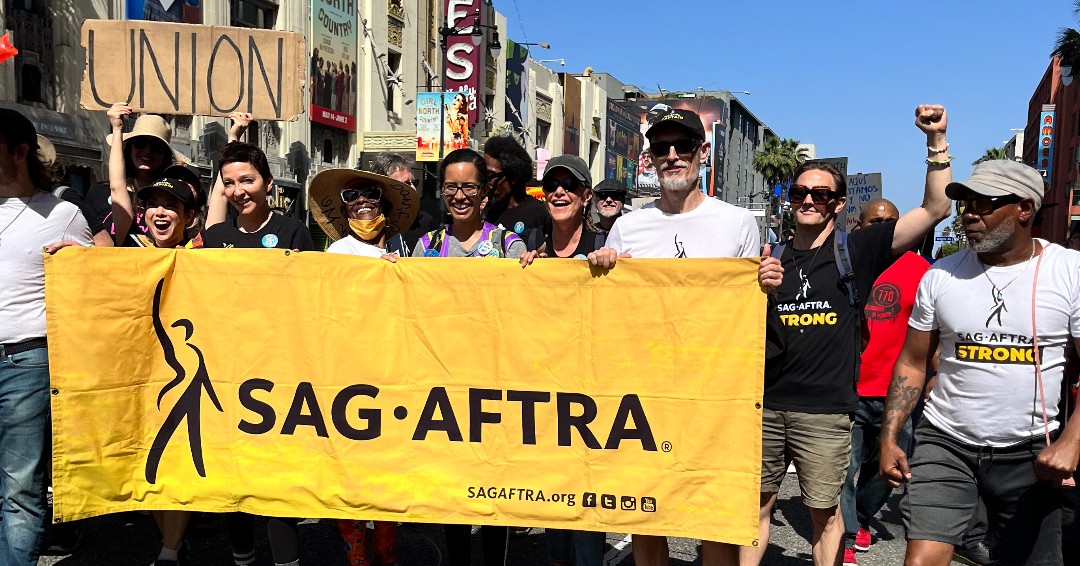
column 62, row 538
column 977, row 554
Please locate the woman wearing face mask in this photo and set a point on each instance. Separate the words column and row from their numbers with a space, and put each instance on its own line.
column 246, row 177
column 133, row 164
column 463, row 183
column 364, row 213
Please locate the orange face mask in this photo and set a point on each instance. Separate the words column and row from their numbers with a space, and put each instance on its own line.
column 367, row 230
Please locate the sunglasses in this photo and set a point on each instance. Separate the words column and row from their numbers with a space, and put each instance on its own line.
column 981, row 204
column 613, row 195
column 820, row 195
column 143, row 142
column 567, row 184
column 370, row 193
column 683, row 147
column 879, row 220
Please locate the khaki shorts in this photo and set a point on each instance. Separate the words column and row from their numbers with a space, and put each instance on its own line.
column 820, row 447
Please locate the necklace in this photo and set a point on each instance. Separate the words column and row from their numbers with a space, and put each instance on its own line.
column 261, row 226
column 804, row 273
column 997, row 293
column 26, row 205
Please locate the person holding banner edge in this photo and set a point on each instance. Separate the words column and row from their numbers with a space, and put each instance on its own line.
column 684, row 223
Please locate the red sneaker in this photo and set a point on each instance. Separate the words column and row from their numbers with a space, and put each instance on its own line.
column 862, row 540
column 849, row 557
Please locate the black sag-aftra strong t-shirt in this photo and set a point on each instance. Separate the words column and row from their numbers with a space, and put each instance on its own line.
column 282, row 232
column 822, row 333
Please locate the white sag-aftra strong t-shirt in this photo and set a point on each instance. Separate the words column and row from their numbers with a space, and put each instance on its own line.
column 986, row 392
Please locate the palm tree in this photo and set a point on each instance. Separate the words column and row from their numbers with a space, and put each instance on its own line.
column 1067, row 46
column 777, row 162
column 779, row 159
column 992, row 153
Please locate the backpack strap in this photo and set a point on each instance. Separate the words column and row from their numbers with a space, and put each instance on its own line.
column 532, row 239
column 508, row 237
column 432, row 241
column 842, row 255
column 396, row 245
column 778, row 250
column 599, row 240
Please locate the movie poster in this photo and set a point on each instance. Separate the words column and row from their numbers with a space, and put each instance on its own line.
column 332, row 75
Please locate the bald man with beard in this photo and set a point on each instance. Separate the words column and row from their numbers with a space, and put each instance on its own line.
column 886, row 312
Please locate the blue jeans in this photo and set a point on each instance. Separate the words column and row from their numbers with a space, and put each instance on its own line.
column 24, row 424
column 588, row 546
column 861, row 500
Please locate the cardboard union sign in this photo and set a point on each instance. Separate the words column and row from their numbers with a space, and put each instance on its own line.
column 453, row 410
column 191, row 69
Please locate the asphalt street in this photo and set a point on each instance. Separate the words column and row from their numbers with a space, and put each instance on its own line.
column 131, row 540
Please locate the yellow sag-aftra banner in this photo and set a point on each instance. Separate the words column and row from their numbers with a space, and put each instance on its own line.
column 431, row 390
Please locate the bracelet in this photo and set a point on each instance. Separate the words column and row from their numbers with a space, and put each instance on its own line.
column 945, row 161
column 942, row 150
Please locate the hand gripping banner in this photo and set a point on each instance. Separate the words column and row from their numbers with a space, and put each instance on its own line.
column 446, row 391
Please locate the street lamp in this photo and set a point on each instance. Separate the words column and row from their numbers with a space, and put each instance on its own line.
column 561, row 62
column 541, row 45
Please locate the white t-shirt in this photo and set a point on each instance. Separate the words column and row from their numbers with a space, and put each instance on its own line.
column 26, row 227
column 354, row 246
column 713, row 229
column 986, row 392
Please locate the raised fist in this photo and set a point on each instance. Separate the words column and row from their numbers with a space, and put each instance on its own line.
column 931, row 118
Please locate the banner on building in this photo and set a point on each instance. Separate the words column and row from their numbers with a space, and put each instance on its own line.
column 713, row 111
column 172, row 11
column 192, row 69
column 237, row 380
column 861, row 189
column 438, row 117
column 1046, row 142
column 624, row 142
column 571, row 114
column 332, row 73
column 517, row 85
column 462, row 66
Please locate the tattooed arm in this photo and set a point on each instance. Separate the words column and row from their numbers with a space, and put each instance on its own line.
column 909, row 376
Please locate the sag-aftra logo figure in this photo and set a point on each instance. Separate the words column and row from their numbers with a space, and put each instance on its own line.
column 189, row 404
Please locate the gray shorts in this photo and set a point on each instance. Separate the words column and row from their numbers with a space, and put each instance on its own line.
column 948, row 478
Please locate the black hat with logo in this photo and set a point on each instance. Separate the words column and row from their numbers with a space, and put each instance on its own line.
column 685, row 119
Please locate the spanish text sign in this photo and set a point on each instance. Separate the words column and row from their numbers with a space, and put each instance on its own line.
column 193, row 69
column 449, row 391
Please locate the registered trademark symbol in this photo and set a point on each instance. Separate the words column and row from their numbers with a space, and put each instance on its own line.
column 666, row 446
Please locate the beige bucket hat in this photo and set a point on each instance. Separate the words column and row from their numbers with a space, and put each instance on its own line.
column 324, row 199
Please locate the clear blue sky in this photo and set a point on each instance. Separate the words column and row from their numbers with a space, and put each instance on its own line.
column 845, row 76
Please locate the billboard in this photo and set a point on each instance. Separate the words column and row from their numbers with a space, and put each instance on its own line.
column 1045, row 149
column 517, row 85
column 861, row 189
column 571, row 114
column 623, row 144
column 332, row 73
column 171, row 11
column 713, row 112
column 440, row 116
column 463, row 58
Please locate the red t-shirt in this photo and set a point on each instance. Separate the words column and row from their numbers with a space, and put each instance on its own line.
column 887, row 311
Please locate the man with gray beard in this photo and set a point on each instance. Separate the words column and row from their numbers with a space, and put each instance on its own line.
column 1005, row 312
column 684, row 223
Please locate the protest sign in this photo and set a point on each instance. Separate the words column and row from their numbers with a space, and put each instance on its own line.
column 189, row 69
column 861, row 189
column 457, row 390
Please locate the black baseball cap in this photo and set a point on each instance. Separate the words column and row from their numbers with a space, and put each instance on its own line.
column 17, row 129
column 609, row 186
column 191, row 176
column 175, row 187
column 572, row 163
column 685, row 119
